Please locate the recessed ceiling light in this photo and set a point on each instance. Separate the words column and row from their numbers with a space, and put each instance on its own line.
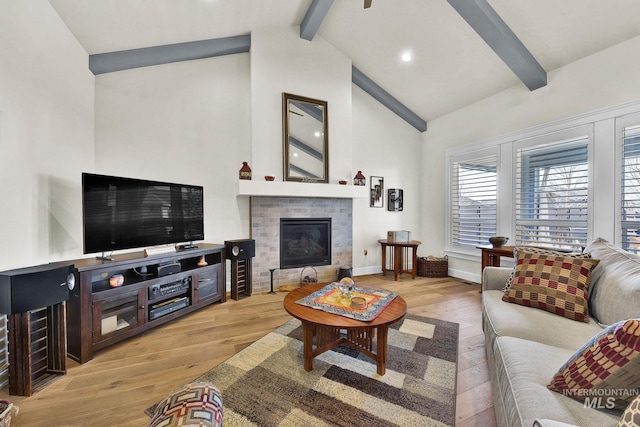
column 406, row 57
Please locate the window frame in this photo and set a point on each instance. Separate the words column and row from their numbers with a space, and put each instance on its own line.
column 467, row 251
column 621, row 123
column 549, row 141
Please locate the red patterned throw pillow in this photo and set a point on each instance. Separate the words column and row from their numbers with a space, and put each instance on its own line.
column 553, row 283
column 607, row 367
column 195, row 404
column 535, row 250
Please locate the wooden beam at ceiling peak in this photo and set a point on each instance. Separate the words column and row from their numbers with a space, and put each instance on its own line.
column 314, row 17
column 497, row 34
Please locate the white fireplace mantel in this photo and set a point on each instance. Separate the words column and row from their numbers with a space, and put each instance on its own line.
column 300, row 189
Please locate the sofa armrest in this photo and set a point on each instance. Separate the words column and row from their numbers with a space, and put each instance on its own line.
column 550, row 423
column 494, row 278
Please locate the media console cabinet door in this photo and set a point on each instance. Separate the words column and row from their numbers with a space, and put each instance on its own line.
column 207, row 284
column 113, row 315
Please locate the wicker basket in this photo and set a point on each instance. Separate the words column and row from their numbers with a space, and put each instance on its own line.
column 433, row 267
column 5, row 413
column 306, row 277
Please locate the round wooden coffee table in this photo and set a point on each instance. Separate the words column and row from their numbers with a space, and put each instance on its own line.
column 325, row 327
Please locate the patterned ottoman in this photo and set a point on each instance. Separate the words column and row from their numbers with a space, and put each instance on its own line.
column 196, row 404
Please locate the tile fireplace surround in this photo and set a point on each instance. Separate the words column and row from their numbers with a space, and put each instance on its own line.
column 265, row 229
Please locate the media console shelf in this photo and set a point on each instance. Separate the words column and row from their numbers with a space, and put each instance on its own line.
column 99, row 315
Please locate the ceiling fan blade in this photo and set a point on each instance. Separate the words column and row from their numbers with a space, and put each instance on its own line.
column 367, row 4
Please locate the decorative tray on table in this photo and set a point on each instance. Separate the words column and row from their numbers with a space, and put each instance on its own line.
column 333, row 300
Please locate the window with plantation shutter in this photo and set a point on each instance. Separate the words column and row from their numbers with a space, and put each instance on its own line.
column 473, row 201
column 551, row 194
column 630, row 220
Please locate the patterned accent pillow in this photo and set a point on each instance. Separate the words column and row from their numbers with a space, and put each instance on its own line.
column 553, row 283
column 608, row 365
column 631, row 416
column 534, row 250
column 195, row 404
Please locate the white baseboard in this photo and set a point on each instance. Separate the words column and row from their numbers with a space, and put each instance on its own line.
column 465, row 275
column 363, row 271
column 459, row 274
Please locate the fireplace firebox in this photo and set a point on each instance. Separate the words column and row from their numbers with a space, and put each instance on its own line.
column 305, row 242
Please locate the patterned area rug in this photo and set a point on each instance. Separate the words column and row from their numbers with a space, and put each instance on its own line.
column 266, row 385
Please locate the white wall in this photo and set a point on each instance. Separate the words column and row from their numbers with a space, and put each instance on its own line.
column 196, row 121
column 186, row 122
column 46, row 135
column 46, row 139
column 283, row 62
column 363, row 134
column 384, row 145
column 602, row 80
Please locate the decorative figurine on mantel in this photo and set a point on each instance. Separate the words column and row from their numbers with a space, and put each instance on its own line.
column 359, row 179
column 245, row 171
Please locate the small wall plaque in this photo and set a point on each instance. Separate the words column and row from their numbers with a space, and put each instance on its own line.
column 395, row 197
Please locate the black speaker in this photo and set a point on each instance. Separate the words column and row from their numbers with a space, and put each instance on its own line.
column 30, row 288
column 165, row 269
column 240, row 249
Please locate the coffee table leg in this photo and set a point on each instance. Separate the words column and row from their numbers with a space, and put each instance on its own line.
column 381, row 359
column 307, row 339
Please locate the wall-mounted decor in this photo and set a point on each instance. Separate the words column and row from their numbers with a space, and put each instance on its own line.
column 395, row 199
column 305, row 131
column 376, row 195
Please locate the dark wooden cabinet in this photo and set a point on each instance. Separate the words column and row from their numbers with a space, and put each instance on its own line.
column 99, row 315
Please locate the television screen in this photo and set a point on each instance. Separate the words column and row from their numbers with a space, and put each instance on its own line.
column 124, row 213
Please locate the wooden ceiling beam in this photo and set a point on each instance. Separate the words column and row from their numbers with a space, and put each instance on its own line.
column 314, row 17
column 144, row 57
column 386, row 99
column 497, row 34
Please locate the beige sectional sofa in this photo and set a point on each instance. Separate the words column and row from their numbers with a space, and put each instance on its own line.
column 526, row 346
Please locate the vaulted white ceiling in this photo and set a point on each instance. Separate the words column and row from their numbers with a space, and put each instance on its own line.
column 451, row 67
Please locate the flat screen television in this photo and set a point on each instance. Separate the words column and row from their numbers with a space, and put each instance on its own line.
column 125, row 213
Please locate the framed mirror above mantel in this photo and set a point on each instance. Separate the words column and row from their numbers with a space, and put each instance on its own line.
column 305, row 130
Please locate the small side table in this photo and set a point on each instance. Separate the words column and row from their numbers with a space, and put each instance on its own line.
column 491, row 256
column 399, row 256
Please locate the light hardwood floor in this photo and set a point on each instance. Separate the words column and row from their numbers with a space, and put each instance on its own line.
column 116, row 386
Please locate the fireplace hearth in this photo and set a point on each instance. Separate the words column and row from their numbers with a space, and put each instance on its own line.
column 305, row 242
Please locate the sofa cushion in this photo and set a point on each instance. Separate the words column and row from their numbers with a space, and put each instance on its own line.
column 504, row 319
column 534, row 250
column 522, row 369
column 195, row 404
column 553, row 283
column 610, row 361
column 615, row 283
column 631, row 416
